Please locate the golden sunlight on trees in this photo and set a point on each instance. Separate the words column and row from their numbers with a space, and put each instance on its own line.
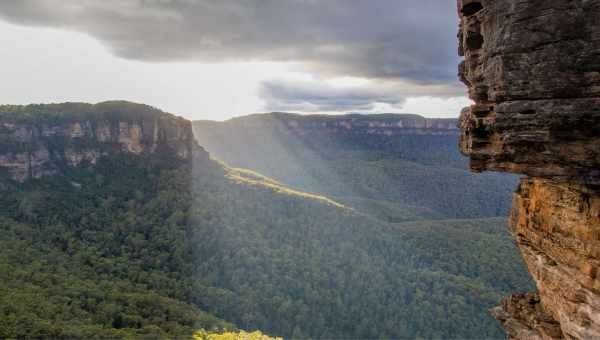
column 257, row 335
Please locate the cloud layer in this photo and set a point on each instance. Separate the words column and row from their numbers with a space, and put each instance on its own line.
column 408, row 41
column 322, row 96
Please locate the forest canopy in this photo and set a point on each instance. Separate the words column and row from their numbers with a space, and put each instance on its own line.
column 136, row 248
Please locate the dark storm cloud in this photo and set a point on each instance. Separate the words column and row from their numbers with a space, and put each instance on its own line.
column 373, row 38
column 390, row 40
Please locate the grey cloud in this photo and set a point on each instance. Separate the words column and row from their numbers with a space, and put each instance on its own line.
column 281, row 95
column 383, row 39
column 320, row 96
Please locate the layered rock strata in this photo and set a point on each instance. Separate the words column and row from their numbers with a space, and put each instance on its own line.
column 38, row 140
column 533, row 69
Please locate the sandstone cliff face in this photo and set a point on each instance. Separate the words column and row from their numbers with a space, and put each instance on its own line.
column 38, row 140
column 533, row 69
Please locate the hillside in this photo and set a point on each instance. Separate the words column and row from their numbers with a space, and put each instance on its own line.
column 134, row 246
column 394, row 167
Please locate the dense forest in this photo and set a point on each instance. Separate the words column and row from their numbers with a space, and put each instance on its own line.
column 392, row 174
column 134, row 247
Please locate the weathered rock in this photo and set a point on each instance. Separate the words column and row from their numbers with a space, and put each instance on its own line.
column 547, row 138
column 536, row 82
column 533, row 70
column 524, row 317
column 557, row 228
column 38, row 140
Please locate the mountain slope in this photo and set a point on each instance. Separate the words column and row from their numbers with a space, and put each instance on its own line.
column 394, row 167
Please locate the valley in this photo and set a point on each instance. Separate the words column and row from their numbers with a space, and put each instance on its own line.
column 163, row 243
column 394, row 167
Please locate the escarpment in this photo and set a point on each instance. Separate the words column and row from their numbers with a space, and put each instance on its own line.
column 533, row 69
column 374, row 124
column 39, row 140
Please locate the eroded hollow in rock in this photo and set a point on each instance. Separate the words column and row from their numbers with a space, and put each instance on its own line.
column 482, row 112
column 528, row 112
column 471, row 8
column 482, row 134
column 474, row 40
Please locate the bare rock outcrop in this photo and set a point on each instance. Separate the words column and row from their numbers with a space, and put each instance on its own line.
column 533, row 69
column 39, row 140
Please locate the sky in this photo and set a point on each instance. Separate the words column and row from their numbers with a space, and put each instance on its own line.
column 208, row 59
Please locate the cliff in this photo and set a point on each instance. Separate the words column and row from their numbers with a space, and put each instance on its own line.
column 38, row 140
column 533, row 69
column 384, row 124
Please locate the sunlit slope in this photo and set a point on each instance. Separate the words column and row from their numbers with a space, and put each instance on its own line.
column 249, row 177
column 393, row 175
column 257, row 335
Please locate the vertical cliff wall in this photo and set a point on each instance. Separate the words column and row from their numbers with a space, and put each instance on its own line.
column 38, row 140
column 533, row 69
